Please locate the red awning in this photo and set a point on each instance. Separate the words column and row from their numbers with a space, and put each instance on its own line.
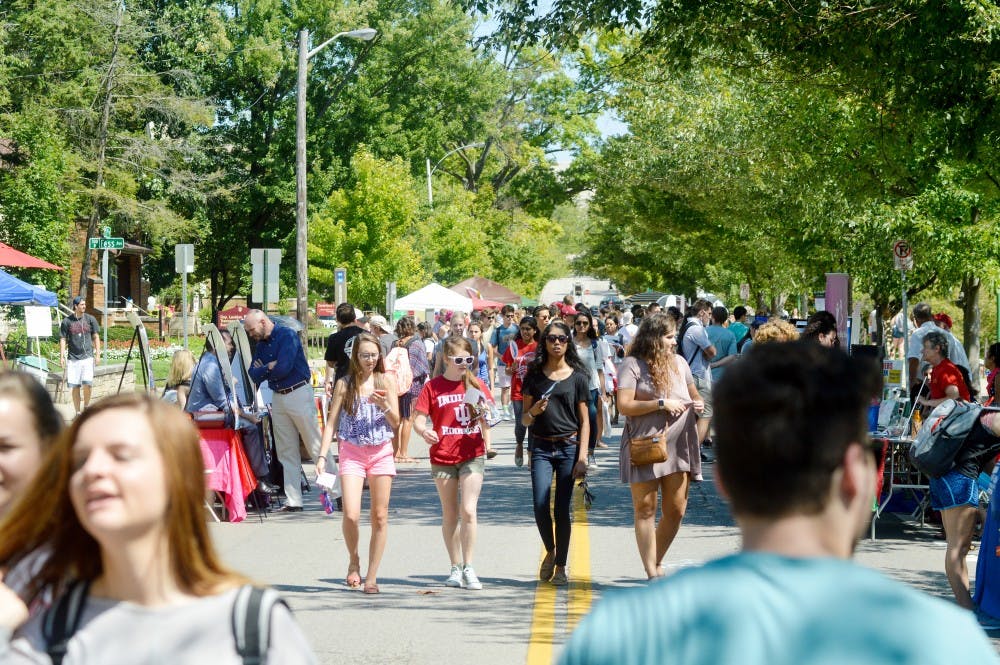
column 13, row 258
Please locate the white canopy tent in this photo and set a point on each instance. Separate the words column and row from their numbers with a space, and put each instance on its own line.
column 433, row 296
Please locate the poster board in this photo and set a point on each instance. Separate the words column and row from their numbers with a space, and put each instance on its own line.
column 38, row 321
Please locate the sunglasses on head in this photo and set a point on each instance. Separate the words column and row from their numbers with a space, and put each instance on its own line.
column 561, row 339
column 463, row 360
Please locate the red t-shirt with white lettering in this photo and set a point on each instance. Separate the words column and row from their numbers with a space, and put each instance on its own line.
column 525, row 354
column 460, row 438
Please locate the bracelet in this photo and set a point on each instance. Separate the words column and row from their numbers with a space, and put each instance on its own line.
column 386, row 410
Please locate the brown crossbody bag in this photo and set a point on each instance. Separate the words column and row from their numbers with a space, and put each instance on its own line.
column 649, row 450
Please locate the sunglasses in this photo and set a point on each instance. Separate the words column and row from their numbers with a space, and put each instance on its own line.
column 553, row 339
column 368, row 356
column 463, row 360
column 582, row 324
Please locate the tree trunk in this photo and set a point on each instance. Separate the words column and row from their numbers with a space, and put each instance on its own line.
column 972, row 319
column 102, row 145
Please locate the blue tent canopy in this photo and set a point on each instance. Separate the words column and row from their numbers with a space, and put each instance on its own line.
column 15, row 292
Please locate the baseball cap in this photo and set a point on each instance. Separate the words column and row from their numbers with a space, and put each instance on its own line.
column 378, row 320
column 77, row 300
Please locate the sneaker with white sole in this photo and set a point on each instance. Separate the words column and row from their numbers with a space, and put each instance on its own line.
column 559, row 578
column 592, row 462
column 469, row 579
column 455, row 578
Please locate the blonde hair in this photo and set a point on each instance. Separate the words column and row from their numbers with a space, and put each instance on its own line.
column 452, row 344
column 181, row 368
column 776, row 330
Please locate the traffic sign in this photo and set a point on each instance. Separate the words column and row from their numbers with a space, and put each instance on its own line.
column 902, row 255
column 265, row 268
column 106, row 243
column 183, row 259
column 744, row 292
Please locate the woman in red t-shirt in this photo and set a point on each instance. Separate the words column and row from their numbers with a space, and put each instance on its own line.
column 458, row 451
column 515, row 360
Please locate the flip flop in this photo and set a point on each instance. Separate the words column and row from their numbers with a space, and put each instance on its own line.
column 371, row 588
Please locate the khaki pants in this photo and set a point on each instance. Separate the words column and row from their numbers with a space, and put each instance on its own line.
column 294, row 416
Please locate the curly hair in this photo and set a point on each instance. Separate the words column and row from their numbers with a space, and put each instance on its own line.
column 776, row 330
column 650, row 347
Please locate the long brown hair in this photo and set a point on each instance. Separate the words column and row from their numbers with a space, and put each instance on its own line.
column 45, row 518
column 354, row 373
column 450, row 346
column 649, row 347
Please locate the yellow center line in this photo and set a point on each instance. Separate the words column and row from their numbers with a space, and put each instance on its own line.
column 578, row 597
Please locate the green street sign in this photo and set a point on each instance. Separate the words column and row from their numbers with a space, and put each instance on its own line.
column 106, row 243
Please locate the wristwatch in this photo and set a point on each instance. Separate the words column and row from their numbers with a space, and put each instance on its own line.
column 659, row 403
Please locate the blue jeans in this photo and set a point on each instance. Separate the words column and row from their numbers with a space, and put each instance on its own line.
column 548, row 457
column 592, row 416
column 519, row 429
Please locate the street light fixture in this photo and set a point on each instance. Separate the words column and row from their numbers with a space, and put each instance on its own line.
column 301, row 223
column 430, row 171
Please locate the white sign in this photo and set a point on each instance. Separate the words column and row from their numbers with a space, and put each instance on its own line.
column 744, row 292
column 38, row 321
column 266, row 268
column 902, row 255
column 183, row 259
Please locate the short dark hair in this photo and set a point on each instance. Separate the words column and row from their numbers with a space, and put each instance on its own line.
column 739, row 312
column 346, row 314
column 507, row 309
column 697, row 307
column 922, row 312
column 819, row 323
column 994, row 352
column 720, row 314
column 538, row 309
column 784, row 417
column 939, row 340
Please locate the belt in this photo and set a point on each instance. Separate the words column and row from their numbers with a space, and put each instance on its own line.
column 285, row 391
column 555, row 439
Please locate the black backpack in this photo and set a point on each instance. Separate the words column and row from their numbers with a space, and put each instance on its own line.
column 251, row 621
column 680, row 342
column 743, row 342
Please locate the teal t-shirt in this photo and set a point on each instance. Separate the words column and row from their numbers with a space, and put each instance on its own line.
column 725, row 345
column 762, row 608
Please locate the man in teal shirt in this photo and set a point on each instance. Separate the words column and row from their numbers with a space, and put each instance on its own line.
column 739, row 326
column 723, row 341
column 795, row 462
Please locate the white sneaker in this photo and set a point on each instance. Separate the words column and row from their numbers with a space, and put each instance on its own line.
column 455, row 579
column 469, row 579
column 508, row 413
column 592, row 462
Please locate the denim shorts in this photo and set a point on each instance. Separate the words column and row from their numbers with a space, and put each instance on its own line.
column 953, row 490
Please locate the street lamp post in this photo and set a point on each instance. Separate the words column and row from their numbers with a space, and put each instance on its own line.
column 430, row 171
column 301, row 223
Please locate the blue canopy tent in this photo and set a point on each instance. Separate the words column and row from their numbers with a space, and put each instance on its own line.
column 15, row 292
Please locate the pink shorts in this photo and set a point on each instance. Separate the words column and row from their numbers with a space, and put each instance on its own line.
column 366, row 461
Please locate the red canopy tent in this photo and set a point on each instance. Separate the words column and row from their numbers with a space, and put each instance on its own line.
column 481, row 304
column 13, row 258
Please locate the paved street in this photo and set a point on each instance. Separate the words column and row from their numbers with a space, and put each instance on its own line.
column 416, row 619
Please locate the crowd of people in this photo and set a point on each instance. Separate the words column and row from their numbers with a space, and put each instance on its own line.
column 779, row 409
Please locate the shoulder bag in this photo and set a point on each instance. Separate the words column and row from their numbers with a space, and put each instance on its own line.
column 649, row 450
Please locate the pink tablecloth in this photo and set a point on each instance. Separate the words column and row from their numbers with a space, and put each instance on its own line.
column 220, row 449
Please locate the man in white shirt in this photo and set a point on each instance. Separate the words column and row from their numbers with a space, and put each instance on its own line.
column 915, row 366
column 697, row 349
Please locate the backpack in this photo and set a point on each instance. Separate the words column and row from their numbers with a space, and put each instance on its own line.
column 942, row 435
column 397, row 363
column 251, row 621
column 743, row 342
column 680, row 342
